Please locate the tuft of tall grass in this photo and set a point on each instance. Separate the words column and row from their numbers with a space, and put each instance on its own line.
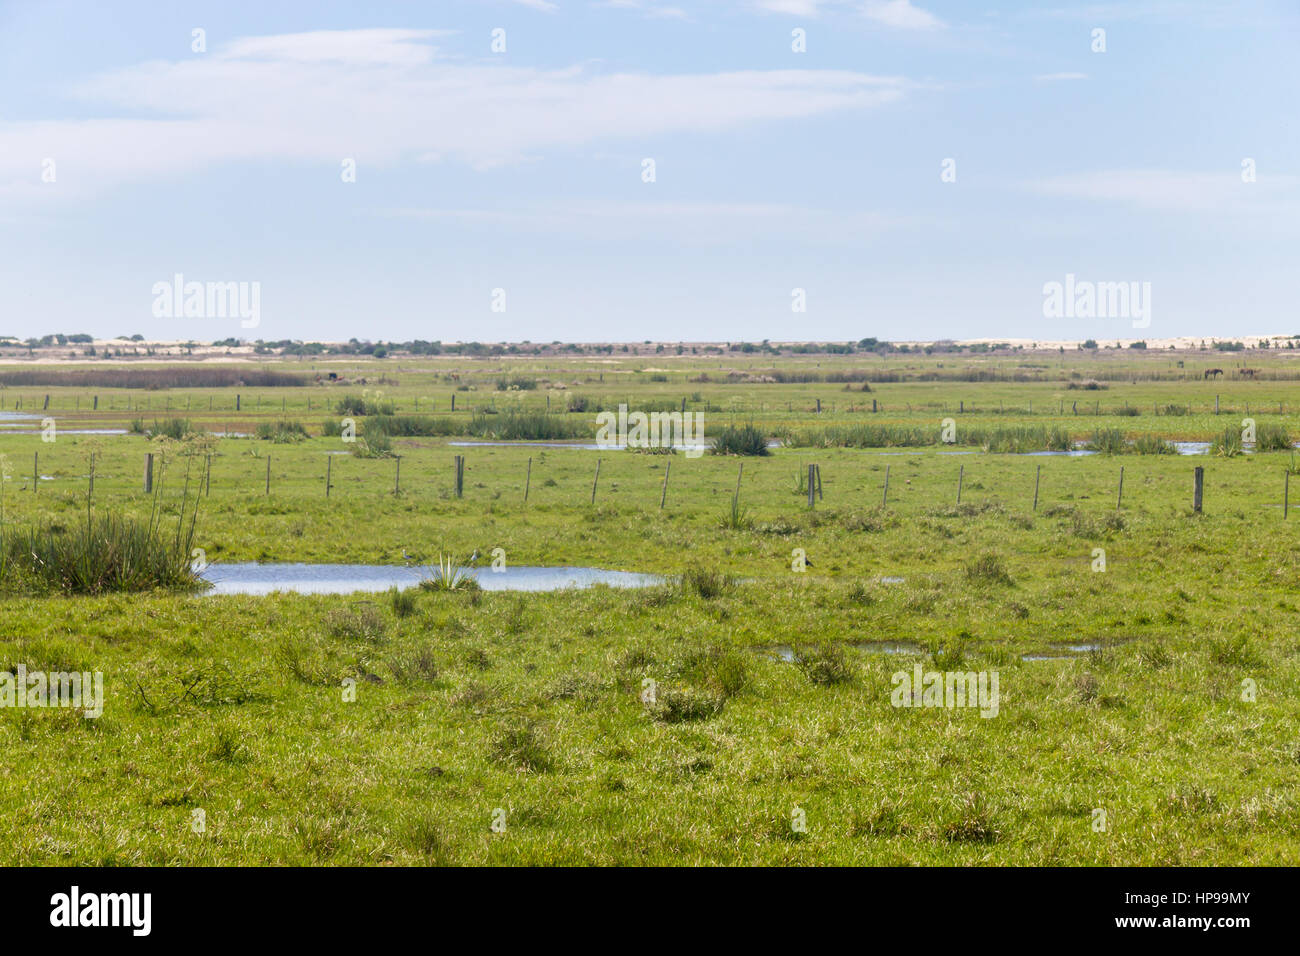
column 357, row 405
column 1153, row 445
column 825, row 664
column 526, row 426
column 373, row 444
column 174, row 428
column 736, row 518
column 1271, row 437
column 1108, row 441
column 282, row 432
column 705, row 582
column 740, row 440
column 1228, row 443
column 106, row 553
column 988, row 568
column 404, row 426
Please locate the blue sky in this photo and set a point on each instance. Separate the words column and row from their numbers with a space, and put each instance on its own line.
column 774, row 170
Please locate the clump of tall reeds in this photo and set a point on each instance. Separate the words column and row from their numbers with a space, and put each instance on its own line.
column 105, row 553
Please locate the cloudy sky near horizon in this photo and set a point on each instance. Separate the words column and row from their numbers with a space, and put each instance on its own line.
column 774, row 169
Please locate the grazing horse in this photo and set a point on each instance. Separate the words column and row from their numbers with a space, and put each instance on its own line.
column 1211, row 372
column 1248, row 372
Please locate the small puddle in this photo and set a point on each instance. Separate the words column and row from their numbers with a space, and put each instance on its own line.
column 890, row 580
column 582, row 446
column 19, row 430
column 786, row 652
column 1071, row 651
column 253, row 578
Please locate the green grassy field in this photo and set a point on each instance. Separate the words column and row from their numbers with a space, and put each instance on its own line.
column 511, row 728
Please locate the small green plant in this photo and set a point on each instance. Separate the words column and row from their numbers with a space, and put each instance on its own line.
column 824, row 664
column 1228, row 444
column 736, row 518
column 375, row 443
column 450, row 575
column 364, row 623
column 705, row 582
column 680, row 705
column 988, row 568
column 522, row 747
column 402, row 601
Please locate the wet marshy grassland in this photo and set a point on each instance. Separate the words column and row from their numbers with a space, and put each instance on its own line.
column 690, row 721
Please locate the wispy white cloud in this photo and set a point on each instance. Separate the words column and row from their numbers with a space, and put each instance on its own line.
column 1175, row 190
column 544, row 5
column 654, row 11
column 386, row 96
column 899, row 14
column 694, row 222
column 1056, row 77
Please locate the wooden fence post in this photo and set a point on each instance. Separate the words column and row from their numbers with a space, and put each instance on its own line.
column 1119, row 500
column 36, row 470
column 819, row 483
column 664, row 496
column 735, row 499
column 268, row 474
column 528, row 476
column 595, row 481
column 207, row 477
column 812, row 486
column 1286, row 493
column 329, row 467
column 1198, row 488
column 148, row 472
column 961, row 473
column 397, row 478
column 884, row 500
column 1038, row 474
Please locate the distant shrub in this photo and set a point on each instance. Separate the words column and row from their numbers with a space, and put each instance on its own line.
column 516, row 383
